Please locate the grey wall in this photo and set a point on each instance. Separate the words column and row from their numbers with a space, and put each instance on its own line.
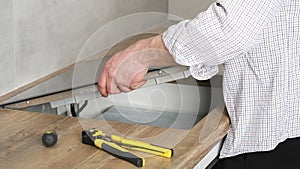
column 188, row 8
column 38, row 37
column 7, row 62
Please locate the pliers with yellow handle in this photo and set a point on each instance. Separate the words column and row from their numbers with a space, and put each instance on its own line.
column 116, row 145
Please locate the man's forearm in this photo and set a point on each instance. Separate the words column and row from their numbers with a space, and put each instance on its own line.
column 158, row 53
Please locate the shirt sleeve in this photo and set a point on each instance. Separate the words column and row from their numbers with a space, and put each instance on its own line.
column 227, row 29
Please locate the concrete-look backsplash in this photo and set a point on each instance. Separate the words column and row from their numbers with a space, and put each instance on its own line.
column 188, row 9
column 7, row 62
column 38, row 37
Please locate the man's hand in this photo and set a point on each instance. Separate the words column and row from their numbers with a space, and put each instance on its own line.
column 125, row 70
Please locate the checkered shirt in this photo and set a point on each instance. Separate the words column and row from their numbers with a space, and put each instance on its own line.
column 258, row 42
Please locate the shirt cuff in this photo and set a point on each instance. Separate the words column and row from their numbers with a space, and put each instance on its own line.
column 201, row 72
column 183, row 55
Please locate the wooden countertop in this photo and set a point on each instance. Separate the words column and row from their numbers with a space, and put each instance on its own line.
column 21, row 147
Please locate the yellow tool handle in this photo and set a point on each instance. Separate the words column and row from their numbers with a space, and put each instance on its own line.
column 120, row 152
column 143, row 146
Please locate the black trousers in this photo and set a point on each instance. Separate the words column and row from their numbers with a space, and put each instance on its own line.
column 285, row 156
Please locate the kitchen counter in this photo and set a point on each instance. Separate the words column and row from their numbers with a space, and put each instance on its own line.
column 21, row 131
column 21, row 146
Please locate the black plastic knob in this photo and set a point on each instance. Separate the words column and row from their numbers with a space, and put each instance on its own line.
column 50, row 138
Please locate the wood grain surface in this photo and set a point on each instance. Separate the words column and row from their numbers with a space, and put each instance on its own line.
column 21, row 146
